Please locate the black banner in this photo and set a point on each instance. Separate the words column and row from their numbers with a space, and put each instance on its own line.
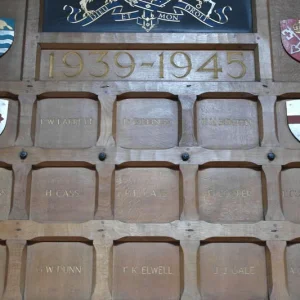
column 147, row 16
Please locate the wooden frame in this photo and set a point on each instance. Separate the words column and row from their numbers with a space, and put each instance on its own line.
column 275, row 231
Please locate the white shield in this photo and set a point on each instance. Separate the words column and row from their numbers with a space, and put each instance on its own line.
column 293, row 117
column 3, row 114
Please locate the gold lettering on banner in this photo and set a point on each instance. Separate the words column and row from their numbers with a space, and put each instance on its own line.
column 234, row 270
column 62, row 193
column 147, row 122
column 148, row 270
column 69, row 270
column 225, row 122
column 68, row 122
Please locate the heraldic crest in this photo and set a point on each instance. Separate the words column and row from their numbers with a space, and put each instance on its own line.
column 7, row 34
column 290, row 36
column 148, row 13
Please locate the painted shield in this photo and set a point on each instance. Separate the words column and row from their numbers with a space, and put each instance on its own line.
column 3, row 114
column 7, row 34
column 293, row 117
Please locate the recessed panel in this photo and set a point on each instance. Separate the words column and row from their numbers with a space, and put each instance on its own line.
column 285, row 68
column 230, row 195
column 293, row 270
column 10, row 119
column 147, row 123
column 60, row 271
column 146, row 271
column 291, row 194
column 233, row 271
column 63, row 194
column 3, row 264
column 6, row 178
column 147, row 195
column 285, row 135
column 227, row 124
column 67, row 123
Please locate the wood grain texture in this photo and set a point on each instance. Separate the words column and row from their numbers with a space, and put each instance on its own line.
column 63, row 194
column 144, row 195
column 236, row 271
column 147, row 124
column 227, row 124
column 6, row 185
column 59, row 271
column 191, row 231
column 138, row 267
column 66, row 123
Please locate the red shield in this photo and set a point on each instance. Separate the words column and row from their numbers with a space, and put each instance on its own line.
column 290, row 36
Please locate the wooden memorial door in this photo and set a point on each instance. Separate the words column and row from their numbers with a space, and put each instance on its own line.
column 149, row 150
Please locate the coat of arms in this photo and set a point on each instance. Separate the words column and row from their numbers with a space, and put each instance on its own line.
column 293, row 117
column 7, row 34
column 148, row 13
column 3, row 114
column 290, row 36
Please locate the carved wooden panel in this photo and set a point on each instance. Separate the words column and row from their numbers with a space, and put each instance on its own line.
column 138, row 267
column 227, row 124
column 63, row 194
column 66, row 123
column 230, row 195
column 147, row 123
column 236, row 270
column 147, row 195
column 59, row 271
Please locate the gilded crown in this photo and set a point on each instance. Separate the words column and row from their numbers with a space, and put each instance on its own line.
column 296, row 27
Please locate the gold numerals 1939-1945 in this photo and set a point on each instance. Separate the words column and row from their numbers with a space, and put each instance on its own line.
column 199, row 65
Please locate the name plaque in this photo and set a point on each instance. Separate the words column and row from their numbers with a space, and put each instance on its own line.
column 163, row 65
column 147, row 16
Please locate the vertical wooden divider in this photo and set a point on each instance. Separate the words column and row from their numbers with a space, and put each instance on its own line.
column 13, row 283
column 188, row 133
column 274, row 212
column 269, row 121
column 26, row 110
column 191, row 264
column 19, row 210
column 106, row 138
column 104, row 204
column 190, row 208
column 103, row 250
column 279, row 288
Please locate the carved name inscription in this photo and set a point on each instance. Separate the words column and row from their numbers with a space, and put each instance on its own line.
column 230, row 195
column 235, row 269
column 67, row 123
column 8, row 137
column 227, row 124
column 63, row 194
column 147, row 195
column 147, row 65
column 5, row 193
column 147, row 123
column 146, row 271
column 59, row 271
column 291, row 194
column 3, row 267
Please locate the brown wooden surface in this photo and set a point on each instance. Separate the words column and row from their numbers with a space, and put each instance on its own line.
column 231, row 158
